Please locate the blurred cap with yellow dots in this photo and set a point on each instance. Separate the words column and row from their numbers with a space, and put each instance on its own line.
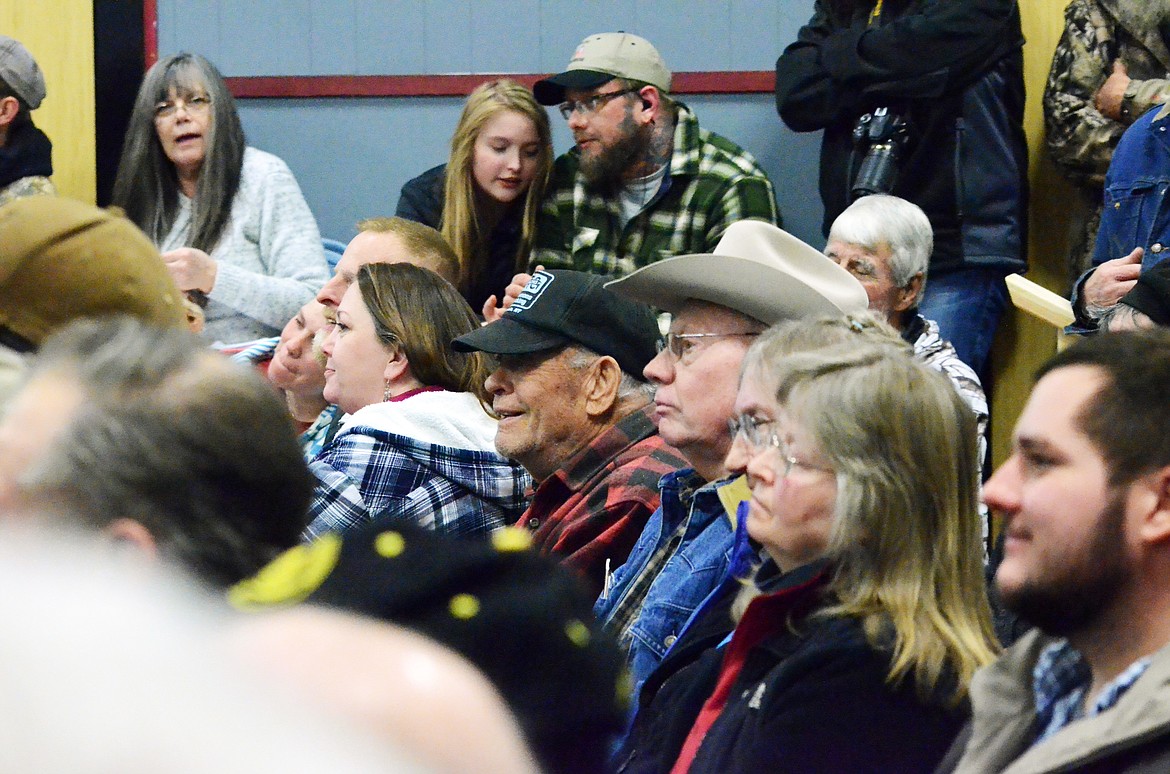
column 522, row 619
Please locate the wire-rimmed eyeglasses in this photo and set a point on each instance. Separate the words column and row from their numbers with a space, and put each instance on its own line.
column 589, row 105
column 198, row 104
column 678, row 344
column 760, row 434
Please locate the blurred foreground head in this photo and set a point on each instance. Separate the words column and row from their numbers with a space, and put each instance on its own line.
column 146, row 435
column 519, row 617
column 401, row 686
column 110, row 667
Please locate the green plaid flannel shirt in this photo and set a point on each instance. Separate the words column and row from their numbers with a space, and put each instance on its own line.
column 711, row 183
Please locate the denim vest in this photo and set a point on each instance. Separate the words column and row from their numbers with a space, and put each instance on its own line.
column 689, row 576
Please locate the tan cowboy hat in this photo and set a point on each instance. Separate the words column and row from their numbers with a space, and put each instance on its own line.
column 757, row 269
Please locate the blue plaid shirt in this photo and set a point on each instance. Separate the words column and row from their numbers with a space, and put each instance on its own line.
column 366, row 473
column 316, row 435
column 257, row 351
column 1059, row 681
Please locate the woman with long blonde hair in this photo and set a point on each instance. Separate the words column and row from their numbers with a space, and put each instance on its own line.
column 852, row 647
column 484, row 200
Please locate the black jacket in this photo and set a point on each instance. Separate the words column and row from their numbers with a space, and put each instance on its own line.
column 810, row 698
column 421, row 200
column 954, row 70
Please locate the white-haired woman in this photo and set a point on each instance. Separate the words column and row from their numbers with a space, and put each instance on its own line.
column 885, row 242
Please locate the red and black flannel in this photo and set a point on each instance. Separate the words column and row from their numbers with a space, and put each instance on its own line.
column 595, row 506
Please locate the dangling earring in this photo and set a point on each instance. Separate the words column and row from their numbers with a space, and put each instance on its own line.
column 386, row 393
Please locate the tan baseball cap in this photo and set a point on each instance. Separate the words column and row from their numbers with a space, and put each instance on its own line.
column 601, row 58
column 62, row 259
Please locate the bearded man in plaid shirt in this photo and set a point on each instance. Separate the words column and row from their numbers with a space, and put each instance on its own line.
column 644, row 182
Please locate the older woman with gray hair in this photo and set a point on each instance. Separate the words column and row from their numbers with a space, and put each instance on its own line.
column 886, row 242
column 233, row 227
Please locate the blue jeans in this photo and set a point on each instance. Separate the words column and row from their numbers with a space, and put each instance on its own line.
column 967, row 305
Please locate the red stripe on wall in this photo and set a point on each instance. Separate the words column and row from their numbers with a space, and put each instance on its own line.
column 303, row 87
column 150, row 31
column 312, row 86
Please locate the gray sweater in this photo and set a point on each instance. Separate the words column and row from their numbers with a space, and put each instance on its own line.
column 270, row 257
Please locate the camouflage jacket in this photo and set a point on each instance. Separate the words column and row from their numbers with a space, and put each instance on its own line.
column 1080, row 139
column 36, row 185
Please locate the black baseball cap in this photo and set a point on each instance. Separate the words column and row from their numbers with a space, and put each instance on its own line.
column 1151, row 294
column 562, row 307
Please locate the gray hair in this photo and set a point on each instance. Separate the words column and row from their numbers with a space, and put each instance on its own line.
column 147, row 186
column 789, row 337
column 198, row 450
column 629, row 387
column 874, row 221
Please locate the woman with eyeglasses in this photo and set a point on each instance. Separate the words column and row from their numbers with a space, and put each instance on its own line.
column 484, row 200
column 230, row 220
column 851, row 646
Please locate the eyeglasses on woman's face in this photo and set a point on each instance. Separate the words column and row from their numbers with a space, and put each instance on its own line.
column 196, row 104
column 761, row 435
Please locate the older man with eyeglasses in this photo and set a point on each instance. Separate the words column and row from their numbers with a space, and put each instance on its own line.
column 644, row 182
column 756, row 276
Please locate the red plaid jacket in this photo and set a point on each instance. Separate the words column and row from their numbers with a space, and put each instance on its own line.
column 595, row 506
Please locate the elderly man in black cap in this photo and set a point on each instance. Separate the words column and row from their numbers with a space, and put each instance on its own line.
column 575, row 411
column 25, row 152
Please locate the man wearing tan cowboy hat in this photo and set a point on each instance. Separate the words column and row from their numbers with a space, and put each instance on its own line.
column 758, row 275
column 25, row 152
column 644, row 182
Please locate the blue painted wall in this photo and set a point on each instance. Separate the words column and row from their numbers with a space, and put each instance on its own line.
column 351, row 156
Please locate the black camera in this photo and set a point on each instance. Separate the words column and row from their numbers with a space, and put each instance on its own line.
column 881, row 136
